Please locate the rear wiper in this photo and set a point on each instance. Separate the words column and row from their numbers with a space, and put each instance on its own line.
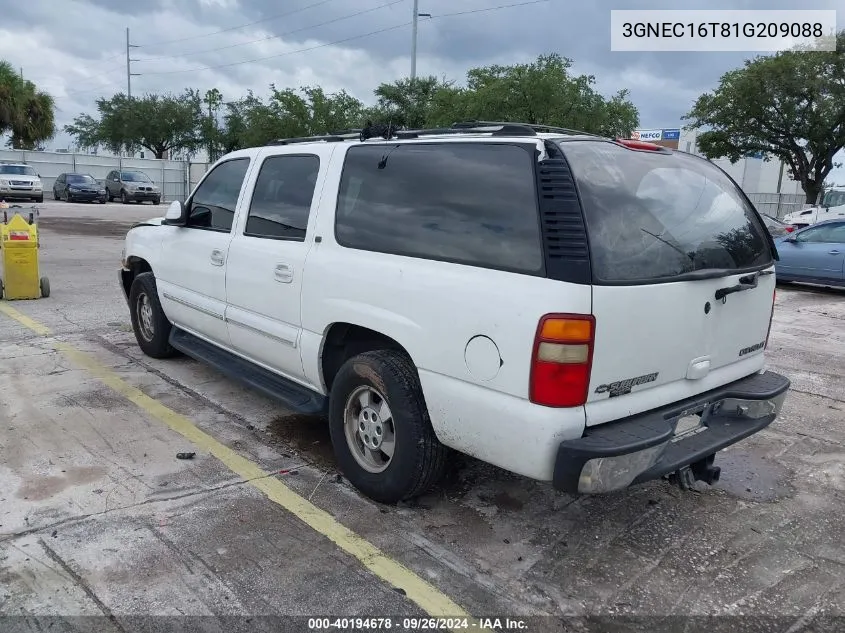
column 745, row 283
column 668, row 243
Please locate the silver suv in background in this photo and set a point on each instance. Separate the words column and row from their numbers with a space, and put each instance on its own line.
column 132, row 186
column 19, row 181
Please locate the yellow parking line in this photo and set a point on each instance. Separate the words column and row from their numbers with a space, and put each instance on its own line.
column 427, row 597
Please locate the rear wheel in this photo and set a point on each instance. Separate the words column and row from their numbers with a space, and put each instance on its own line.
column 380, row 428
column 151, row 327
column 55, row 195
column 44, row 283
column 109, row 197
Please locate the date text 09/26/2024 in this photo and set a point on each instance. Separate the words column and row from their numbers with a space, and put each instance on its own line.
column 416, row 624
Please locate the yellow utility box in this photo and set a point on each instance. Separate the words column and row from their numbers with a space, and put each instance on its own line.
column 19, row 249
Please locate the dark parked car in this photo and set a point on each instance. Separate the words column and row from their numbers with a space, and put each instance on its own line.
column 131, row 186
column 78, row 188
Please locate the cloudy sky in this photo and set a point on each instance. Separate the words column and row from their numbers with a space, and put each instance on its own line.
column 75, row 49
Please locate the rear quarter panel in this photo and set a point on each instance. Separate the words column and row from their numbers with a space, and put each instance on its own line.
column 477, row 400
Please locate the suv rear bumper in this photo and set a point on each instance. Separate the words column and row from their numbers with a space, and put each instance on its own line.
column 615, row 455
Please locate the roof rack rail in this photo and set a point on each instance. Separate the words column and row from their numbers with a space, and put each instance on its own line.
column 328, row 138
column 494, row 129
column 536, row 127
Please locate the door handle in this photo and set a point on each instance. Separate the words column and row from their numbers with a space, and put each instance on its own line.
column 834, row 252
column 283, row 273
column 217, row 257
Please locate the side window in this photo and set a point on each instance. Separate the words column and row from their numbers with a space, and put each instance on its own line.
column 213, row 204
column 468, row 203
column 816, row 235
column 281, row 201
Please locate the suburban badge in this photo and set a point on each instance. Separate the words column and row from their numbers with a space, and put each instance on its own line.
column 621, row 387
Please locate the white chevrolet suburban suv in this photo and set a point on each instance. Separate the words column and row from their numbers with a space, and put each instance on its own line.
column 575, row 309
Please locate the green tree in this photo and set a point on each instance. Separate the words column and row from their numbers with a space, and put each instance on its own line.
column 545, row 92
column 159, row 123
column 790, row 105
column 287, row 113
column 26, row 113
column 408, row 102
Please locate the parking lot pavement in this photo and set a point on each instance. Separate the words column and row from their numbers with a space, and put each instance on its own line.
column 97, row 514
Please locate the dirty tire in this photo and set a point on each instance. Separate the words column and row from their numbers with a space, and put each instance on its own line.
column 157, row 345
column 419, row 459
column 44, row 283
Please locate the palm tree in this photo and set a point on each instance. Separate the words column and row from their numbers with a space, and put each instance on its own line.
column 25, row 112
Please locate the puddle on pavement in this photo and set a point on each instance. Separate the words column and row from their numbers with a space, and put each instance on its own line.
column 85, row 226
column 39, row 488
column 751, row 477
column 307, row 435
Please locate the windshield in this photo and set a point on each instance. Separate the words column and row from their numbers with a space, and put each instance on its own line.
column 79, row 179
column 833, row 199
column 135, row 176
column 655, row 216
column 18, row 170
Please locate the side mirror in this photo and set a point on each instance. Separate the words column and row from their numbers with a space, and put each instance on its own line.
column 175, row 215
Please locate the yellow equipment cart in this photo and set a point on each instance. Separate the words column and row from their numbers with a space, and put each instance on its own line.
column 19, row 249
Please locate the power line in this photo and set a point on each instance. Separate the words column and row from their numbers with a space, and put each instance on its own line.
column 344, row 40
column 272, row 37
column 242, row 26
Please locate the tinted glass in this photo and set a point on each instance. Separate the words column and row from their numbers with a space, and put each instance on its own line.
column 135, row 176
column 18, row 170
column 282, row 198
column 827, row 233
column 213, row 204
column 655, row 216
column 833, row 199
column 80, row 179
column 470, row 203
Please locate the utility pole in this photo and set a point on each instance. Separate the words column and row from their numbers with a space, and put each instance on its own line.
column 129, row 73
column 417, row 16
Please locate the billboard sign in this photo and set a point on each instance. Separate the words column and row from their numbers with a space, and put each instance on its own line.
column 671, row 135
column 647, row 135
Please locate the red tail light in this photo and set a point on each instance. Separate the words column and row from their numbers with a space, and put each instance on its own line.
column 771, row 316
column 562, row 359
column 789, row 229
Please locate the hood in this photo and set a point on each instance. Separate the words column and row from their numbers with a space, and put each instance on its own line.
column 151, row 222
column 29, row 180
column 797, row 214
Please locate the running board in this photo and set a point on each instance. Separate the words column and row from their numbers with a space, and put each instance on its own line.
column 294, row 396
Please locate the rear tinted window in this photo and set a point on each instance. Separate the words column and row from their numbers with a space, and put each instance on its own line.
column 469, row 203
column 656, row 216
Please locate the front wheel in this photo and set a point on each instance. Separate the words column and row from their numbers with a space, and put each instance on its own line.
column 44, row 283
column 39, row 200
column 151, row 327
column 157, row 201
column 380, row 429
column 124, row 198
